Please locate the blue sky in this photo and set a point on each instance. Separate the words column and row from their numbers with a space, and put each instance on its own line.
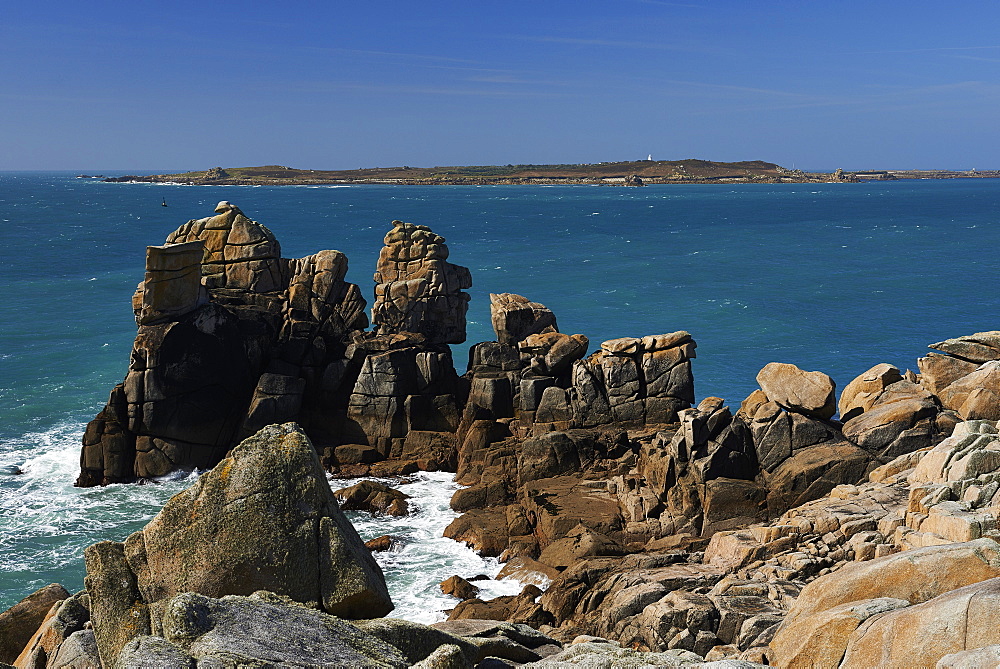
column 340, row 85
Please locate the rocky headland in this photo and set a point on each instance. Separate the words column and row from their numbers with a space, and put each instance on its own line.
column 648, row 527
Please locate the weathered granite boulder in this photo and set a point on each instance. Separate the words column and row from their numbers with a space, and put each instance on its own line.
column 820, row 640
column 373, row 497
column 301, row 545
column 953, row 489
column 915, row 576
column 172, row 286
column 938, row 371
column 975, row 396
column 238, row 253
column 514, row 318
column 456, row 586
column 522, row 608
column 778, row 433
column 404, row 384
column 551, row 353
column 863, row 392
column 903, row 417
column 417, row 290
column 809, row 393
column 696, row 480
column 813, row 472
column 20, row 622
column 918, row 636
column 977, row 348
column 964, row 375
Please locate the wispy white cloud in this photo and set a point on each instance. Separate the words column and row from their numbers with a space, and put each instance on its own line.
column 395, row 54
column 599, row 41
column 980, row 58
column 923, row 50
column 405, row 89
column 662, row 3
column 517, row 80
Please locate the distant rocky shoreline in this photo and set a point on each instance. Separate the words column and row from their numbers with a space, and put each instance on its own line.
column 635, row 173
column 803, row 529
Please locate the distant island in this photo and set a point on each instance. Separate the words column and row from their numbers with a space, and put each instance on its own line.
column 629, row 173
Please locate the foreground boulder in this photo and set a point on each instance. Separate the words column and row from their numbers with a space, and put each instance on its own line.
column 301, row 544
column 259, row 630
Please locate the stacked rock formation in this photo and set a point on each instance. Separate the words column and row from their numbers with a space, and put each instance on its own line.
column 232, row 337
column 417, row 289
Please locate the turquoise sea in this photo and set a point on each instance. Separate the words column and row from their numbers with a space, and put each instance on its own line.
column 830, row 277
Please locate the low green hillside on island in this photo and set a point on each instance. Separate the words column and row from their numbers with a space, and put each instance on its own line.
column 628, row 173
column 646, row 170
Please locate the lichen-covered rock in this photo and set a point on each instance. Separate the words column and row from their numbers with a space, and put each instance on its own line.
column 20, row 622
column 417, row 290
column 153, row 651
column 595, row 654
column 78, row 651
column 415, row 641
column 301, row 546
column 264, row 629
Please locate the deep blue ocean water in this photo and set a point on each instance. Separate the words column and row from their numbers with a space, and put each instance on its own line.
column 830, row 277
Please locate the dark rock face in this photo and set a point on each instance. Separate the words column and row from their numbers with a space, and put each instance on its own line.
column 633, row 380
column 233, row 337
column 303, row 547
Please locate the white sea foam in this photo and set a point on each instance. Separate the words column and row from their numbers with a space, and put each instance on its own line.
column 423, row 557
column 46, row 523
